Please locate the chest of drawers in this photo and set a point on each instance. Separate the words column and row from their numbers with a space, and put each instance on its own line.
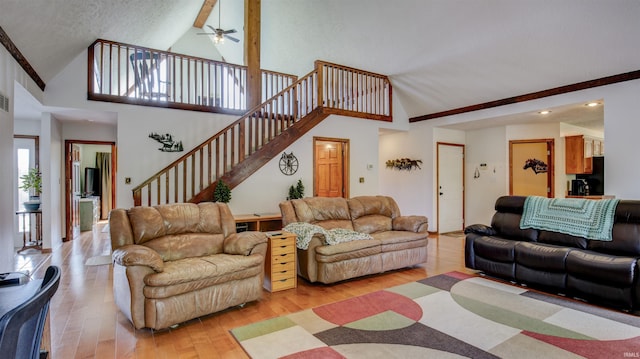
column 280, row 263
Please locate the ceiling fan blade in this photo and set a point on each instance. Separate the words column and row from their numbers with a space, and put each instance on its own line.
column 205, row 33
column 212, row 28
column 231, row 38
column 232, row 31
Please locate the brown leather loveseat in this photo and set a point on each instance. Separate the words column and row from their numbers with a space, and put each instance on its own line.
column 397, row 241
column 176, row 262
column 602, row 271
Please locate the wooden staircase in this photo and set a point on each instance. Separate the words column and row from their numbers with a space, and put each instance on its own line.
column 240, row 149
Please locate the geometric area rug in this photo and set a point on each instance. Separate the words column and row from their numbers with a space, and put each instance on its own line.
column 453, row 315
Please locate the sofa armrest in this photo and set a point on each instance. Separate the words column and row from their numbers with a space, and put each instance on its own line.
column 137, row 255
column 480, row 229
column 307, row 263
column 411, row 223
column 243, row 243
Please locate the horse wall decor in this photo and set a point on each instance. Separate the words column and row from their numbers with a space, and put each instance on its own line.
column 404, row 164
column 536, row 165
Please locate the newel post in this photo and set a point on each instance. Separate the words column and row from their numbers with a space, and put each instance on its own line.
column 320, row 80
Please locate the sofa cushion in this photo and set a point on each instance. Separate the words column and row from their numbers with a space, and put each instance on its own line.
column 508, row 225
column 561, row 239
column 323, row 211
column 602, row 268
column 626, row 241
column 540, row 256
column 498, row 250
column 372, row 214
column 399, row 240
column 178, row 246
column 190, row 274
column 354, row 249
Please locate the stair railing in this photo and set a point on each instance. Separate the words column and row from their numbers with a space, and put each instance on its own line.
column 329, row 87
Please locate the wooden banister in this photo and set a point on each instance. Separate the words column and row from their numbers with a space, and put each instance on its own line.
column 241, row 148
column 123, row 73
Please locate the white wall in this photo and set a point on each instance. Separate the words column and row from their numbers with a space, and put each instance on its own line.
column 51, row 166
column 411, row 189
column 485, row 146
column 197, row 45
column 11, row 75
column 268, row 186
column 621, row 129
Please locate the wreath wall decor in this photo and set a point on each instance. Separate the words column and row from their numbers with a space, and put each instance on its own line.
column 288, row 164
column 404, row 164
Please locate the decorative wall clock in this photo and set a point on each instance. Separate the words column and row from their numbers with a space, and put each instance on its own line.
column 288, row 164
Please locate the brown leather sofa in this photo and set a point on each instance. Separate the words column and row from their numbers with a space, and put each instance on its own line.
column 398, row 241
column 176, row 262
column 605, row 272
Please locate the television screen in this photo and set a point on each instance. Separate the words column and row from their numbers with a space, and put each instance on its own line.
column 91, row 181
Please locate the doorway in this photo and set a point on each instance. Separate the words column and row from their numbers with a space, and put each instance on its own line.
column 450, row 157
column 100, row 157
column 26, row 151
column 330, row 168
column 531, row 168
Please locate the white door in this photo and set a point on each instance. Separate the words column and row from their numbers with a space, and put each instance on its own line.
column 25, row 152
column 450, row 187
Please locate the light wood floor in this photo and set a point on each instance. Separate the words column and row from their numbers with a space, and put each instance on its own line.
column 85, row 322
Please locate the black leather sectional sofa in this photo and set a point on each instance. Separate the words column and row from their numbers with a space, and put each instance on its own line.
column 604, row 272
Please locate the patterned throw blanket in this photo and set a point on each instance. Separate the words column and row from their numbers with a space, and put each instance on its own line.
column 305, row 231
column 591, row 219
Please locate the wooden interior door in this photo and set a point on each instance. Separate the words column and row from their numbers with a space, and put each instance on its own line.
column 526, row 179
column 330, row 178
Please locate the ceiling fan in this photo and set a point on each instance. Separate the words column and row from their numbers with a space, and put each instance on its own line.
column 219, row 34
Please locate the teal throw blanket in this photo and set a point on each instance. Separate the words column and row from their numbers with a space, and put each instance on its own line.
column 591, row 219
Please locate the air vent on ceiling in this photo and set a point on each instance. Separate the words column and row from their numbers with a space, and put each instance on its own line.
column 4, row 102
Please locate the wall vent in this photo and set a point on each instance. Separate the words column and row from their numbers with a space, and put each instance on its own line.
column 4, row 102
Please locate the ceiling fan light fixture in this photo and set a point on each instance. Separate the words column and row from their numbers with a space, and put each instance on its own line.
column 218, row 39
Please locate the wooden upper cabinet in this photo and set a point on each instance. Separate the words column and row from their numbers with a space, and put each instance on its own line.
column 578, row 155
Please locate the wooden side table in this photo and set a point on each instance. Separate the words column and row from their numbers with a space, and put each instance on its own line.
column 35, row 222
column 280, row 263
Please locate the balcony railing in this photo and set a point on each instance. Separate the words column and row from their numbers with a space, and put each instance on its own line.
column 328, row 89
column 124, row 73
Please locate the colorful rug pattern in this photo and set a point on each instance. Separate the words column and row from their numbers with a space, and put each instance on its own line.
column 452, row 315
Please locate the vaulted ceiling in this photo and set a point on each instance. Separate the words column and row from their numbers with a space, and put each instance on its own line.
column 440, row 54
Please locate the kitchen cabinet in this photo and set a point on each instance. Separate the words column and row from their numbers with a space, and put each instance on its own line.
column 579, row 153
column 576, row 160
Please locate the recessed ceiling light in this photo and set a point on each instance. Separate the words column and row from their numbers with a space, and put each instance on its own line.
column 592, row 104
column 544, row 112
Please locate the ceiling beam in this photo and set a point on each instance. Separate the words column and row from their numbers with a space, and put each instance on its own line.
column 22, row 61
column 252, row 16
column 603, row 81
column 205, row 11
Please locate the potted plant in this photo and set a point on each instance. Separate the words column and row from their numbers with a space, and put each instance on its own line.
column 297, row 191
column 32, row 184
column 222, row 192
